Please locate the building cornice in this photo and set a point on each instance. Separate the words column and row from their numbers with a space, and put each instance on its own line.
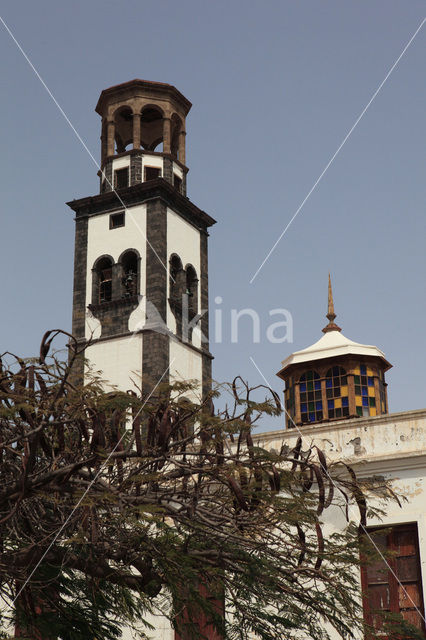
column 381, row 444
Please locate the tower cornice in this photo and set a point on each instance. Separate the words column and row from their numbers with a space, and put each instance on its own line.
column 145, row 86
column 138, row 194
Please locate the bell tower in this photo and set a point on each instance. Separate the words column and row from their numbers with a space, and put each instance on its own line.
column 141, row 264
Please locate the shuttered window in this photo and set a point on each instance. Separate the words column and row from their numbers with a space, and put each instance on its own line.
column 395, row 586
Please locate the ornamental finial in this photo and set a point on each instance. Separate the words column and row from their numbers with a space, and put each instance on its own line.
column 332, row 326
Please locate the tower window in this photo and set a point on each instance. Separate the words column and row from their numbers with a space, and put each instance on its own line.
column 121, row 178
column 104, row 271
column 310, row 397
column 336, row 390
column 152, row 173
column 192, row 288
column 290, row 403
column 129, row 280
column 177, row 183
column 116, row 220
column 365, row 392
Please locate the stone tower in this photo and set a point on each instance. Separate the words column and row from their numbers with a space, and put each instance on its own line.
column 140, row 267
column 334, row 379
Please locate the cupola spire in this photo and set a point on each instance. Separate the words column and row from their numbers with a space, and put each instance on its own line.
column 331, row 326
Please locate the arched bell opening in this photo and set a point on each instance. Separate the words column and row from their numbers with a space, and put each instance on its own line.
column 151, row 128
column 192, row 289
column 129, row 261
column 123, row 131
column 102, row 280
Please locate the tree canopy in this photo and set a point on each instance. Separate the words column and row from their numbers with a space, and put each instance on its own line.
column 114, row 504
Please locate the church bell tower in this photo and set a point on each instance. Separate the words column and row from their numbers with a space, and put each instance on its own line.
column 140, row 266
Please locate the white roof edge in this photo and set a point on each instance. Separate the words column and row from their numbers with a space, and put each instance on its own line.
column 331, row 347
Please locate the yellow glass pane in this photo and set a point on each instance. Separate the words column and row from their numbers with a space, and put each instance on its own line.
column 371, row 392
column 357, row 370
column 383, row 407
column 369, row 371
column 337, row 403
column 358, row 401
column 373, row 411
column 344, row 391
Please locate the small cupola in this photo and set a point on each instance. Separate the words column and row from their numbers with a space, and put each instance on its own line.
column 143, row 135
column 335, row 378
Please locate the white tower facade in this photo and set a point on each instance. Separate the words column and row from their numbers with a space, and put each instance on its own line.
column 141, row 263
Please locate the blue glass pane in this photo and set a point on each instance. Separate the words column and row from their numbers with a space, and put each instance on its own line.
column 331, row 404
column 335, row 371
column 345, row 402
column 328, row 383
column 312, row 417
column 318, row 406
column 363, row 369
column 364, row 391
column 303, row 386
column 365, row 402
column 318, row 385
column 304, row 407
column 370, row 381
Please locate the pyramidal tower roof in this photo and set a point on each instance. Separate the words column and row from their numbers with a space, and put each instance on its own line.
column 332, row 344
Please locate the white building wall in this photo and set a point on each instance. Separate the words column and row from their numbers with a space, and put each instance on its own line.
column 186, row 365
column 178, row 170
column 121, row 163
column 119, row 361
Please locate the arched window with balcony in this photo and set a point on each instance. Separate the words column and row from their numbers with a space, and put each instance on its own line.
column 311, row 406
column 102, row 280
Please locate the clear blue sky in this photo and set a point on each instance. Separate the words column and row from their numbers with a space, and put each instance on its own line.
column 275, row 85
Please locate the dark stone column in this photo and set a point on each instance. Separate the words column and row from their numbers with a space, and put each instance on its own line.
column 80, row 268
column 155, row 357
column 79, row 293
column 117, row 274
column 107, row 185
column 184, row 183
column 204, row 301
column 168, row 169
column 135, row 169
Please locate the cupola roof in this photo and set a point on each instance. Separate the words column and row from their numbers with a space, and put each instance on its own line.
column 333, row 344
